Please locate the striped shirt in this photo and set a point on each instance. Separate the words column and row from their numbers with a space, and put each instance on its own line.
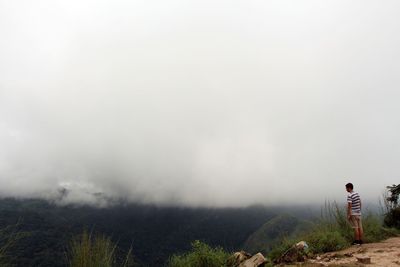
column 354, row 199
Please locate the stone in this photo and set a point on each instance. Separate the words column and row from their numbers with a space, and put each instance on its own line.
column 237, row 258
column 302, row 245
column 255, row 261
column 364, row 259
column 241, row 256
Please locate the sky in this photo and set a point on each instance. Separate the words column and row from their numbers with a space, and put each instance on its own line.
column 199, row 103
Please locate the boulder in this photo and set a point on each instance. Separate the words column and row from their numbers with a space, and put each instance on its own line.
column 244, row 259
column 237, row 258
column 255, row 261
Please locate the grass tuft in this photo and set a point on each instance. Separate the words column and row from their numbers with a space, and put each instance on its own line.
column 95, row 251
column 201, row 255
column 9, row 236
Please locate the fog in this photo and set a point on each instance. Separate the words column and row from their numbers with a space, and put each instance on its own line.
column 199, row 103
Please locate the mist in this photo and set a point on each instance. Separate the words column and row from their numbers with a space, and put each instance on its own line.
column 226, row 103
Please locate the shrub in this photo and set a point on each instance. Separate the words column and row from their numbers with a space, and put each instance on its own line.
column 392, row 218
column 201, row 255
column 374, row 230
column 321, row 241
column 331, row 231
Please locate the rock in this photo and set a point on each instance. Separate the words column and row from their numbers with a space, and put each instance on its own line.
column 296, row 253
column 364, row 259
column 255, row 261
column 362, row 250
column 241, row 256
column 302, row 245
column 237, row 258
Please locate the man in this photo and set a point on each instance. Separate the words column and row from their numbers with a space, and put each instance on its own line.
column 354, row 213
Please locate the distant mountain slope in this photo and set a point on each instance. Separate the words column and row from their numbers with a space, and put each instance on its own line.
column 271, row 232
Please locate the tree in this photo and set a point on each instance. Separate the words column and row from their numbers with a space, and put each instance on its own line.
column 392, row 217
column 393, row 199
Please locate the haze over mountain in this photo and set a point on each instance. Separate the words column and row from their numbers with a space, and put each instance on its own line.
column 206, row 103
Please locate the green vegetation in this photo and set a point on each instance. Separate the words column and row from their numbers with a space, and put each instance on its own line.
column 273, row 231
column 332, row 232
column 97, row 251
column 201, row 255
column 392, row 216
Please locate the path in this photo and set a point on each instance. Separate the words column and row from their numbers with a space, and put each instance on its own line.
column 383, row 254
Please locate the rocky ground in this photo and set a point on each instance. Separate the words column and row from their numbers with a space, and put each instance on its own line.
column 384, row 254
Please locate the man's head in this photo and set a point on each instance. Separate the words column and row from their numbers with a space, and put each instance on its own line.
column 349, row 187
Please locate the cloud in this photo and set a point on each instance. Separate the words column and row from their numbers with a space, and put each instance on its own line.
column 225, row 104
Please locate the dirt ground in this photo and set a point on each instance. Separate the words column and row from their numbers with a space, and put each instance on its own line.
column 383, row 254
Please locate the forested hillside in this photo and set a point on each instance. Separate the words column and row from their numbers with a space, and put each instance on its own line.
column 154, row 232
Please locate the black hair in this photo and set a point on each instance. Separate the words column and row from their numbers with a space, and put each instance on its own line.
column 349, row 185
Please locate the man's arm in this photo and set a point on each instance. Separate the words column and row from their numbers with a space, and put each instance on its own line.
column 348, row 210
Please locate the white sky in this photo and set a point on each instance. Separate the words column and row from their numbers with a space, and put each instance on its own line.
column 224, row 103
